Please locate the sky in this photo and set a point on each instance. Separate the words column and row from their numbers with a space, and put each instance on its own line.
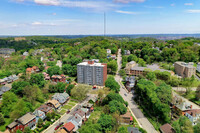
column 86, row 17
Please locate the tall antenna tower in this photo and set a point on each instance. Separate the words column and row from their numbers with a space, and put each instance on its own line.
column 104, row 24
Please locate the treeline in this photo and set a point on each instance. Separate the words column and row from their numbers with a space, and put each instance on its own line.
column 155, row 99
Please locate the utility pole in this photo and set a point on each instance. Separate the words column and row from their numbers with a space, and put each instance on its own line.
column 104, row 23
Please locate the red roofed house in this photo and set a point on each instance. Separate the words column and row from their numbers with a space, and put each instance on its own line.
column 69, row 127
column 29, row 70
column 167, row 128
column 58, row 78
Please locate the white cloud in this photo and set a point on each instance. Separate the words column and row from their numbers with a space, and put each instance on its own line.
column 128, row 1
column 79, row 4
column 173, row 4
column 193, row 11
column 126, row 12
column 42, row 24
column 188, row 4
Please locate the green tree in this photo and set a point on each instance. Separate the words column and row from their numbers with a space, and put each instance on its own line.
column 112, row 67
column 40, row 123
column 122, row 72
column 18, row 86
column 117, row 106
column 54, row 70
column 112, row 84
column 106, row 122
column 197, row 128
column 27, row 130
column 8, row 102
column 122, row 130
column 37, row 79
column 141, row 62
column 69, row 88
column 19, row 131
column 151, row 76
column 69, row 70
column 2, row 121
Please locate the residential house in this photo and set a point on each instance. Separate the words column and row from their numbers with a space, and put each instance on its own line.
column 28, row 120
column 133, row 130
column 61, row 97
column 108, row 51
column 58, row 78
column 167, row 128
column 130, row 83
column 51, row 59
column 6, row 51
column 54, row 103
column 81, row 113
column 29, row 70
column 46, row 76
column 4, row 89
column 45, row 108
column 93, row 98
column 76, row 120
column 126, row 118
column 113, row 56
column 182, row 107
column 62, row 131
column 36, row 69
column 127, row 52
column 86, row 111
column 9, row 79
column 129, row 66
column 88, row 106
column 193, row 115
column 26, row 54
column 198, row 67
column 39, row 114
column 69, row 127
column 59, row 63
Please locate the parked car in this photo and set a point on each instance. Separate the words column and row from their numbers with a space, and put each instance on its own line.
column 60, row 124
column 68, row 112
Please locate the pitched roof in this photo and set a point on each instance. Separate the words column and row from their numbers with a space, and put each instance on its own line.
column 80, row 112
column 45, row 108
column 193, row 112
column 167, row 128
column 77, row 118
column 54, row 102
column 26, row 118
column 62, row 131
column 133, row 130
column 13, row 124
column 6, row 88
column 38, row 113
column 28, row 69
column 61, row 97
column 69, row 126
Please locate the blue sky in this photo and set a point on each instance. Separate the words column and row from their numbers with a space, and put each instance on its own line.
column 76, row 17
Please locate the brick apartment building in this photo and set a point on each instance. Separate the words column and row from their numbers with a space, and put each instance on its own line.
column 92, row 73
column 184, row 69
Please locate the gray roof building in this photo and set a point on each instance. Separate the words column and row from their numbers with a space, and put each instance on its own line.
column 61, row 97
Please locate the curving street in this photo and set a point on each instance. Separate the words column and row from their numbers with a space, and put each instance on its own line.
column 143, row 121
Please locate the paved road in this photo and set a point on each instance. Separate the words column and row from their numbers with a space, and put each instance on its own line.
column 143, row 121
column 63, row 118
column 183, row 89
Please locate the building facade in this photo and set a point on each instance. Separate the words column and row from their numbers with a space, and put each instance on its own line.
column 92, row 73
column 184, row 69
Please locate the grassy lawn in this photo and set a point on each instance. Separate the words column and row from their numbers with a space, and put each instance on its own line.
column 71, row 103
column 67, row 107
column 62, row 111
column 3, row 127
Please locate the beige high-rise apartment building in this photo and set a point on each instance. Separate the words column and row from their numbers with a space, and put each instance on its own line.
column 185, row 70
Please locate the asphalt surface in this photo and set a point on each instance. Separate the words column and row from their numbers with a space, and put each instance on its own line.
column 143, row 121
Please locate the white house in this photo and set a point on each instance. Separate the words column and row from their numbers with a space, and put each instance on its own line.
column 198, row 67
column 108, row 51
column 193, row 115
